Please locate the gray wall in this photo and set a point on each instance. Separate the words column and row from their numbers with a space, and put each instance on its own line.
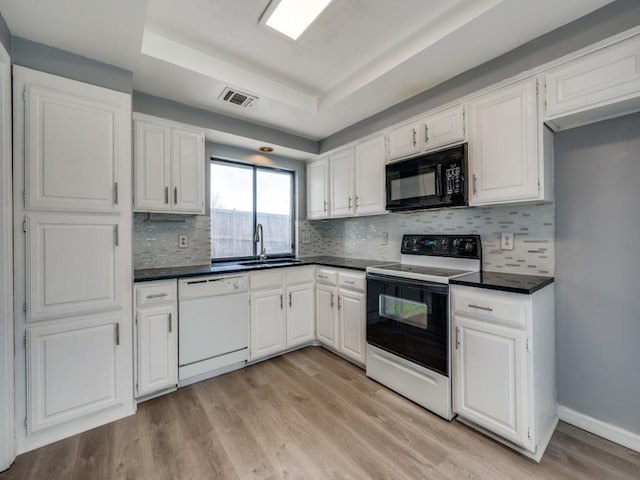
column 605, row 22
column 161, row 107
column 69, row 65
column 5, row 35
column 597, row 270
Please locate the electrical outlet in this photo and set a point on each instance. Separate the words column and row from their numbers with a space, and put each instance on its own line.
column 506, row 241
column 385, row 238
column 182, row 241
column 306, row 237
column 338, row 239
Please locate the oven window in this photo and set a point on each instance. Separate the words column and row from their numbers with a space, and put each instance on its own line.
column 416, row 186
column 402, row 310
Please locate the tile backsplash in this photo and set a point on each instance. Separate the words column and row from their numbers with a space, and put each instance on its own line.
column 155, row 240
column 361, row 237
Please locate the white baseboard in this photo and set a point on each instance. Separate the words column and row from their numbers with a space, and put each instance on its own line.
column 598, row 427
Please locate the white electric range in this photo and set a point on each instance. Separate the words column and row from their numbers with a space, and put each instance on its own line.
column 408, row 321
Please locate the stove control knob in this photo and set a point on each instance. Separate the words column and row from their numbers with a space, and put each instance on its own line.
column 445, row 243
column 416, row 242
column 407, row 244
column 468, row 247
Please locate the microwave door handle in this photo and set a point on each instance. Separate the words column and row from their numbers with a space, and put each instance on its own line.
column 439, row 181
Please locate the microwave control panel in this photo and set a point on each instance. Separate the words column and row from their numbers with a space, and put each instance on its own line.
column 452, row 180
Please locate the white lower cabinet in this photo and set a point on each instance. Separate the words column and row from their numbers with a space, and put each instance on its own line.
column 503, row 365
column 282, row 309
column 156, row 318
column 341, row 312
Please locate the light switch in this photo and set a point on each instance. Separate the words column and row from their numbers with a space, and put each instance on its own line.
column 506, row 241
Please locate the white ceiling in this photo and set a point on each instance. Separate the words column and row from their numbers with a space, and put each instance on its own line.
column 358, row 58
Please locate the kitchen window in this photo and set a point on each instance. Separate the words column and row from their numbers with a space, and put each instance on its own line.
column 243, row 196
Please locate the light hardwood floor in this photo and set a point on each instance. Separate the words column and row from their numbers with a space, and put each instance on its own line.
column 306, row 415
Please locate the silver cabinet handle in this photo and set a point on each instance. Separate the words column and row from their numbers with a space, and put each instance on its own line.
column 166, row 195
column 487, row 309
column 115, row 193
column 170, row 322
column 457, row 338
column 157, row 295
column 349, row 202
column 325, row 205
column 290, row 302
column 426, row 133
column 357, row 203
column 175, row 195
column 322, row 276
column 332, row 302
column 116, row 235
column 281, row 302
column 339, row 302
column 475, row 184
column 414, row 137
column 350, row 282
column 117, row 334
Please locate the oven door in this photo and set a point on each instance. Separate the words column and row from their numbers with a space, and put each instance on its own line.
column 409, row 318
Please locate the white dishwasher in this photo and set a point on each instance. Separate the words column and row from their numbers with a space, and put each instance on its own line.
column 213, row 332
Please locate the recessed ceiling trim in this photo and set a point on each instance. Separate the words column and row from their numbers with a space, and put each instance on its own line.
column 176, row 53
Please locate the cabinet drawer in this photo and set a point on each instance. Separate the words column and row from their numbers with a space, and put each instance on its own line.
column 326, row 277
column 352, row 281
column 156, row 292
column 263, row 280
column 503, row 308
column 300, row 275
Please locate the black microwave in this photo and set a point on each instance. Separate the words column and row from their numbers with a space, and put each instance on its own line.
column 433, row 180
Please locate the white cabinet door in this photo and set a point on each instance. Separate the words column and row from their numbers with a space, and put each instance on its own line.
column 370, row 176
column 503, row 145
column 152, row 166
column 489, row 372
column 187, row 171
column 268, row 323
column 352, row 308
column 75, row 369
column 326, row 318
column 342, row 183
column 157, row 353
column 300, row 314
column 76, row 135
column 606, row 81
column 75, row 264
column 405, row 141
column 444, row 128
column 318, row 189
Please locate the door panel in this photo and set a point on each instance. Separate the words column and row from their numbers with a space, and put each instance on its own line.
column 157, row 350
column 187, row 171
column 300, row 315
column 73, row 369
column 72, row 149
column 73, row 263
column 342, row 183
column 318, row 189
column 267, row 323
column 370, row 176
column 445, row 128
column 152, row 166
column 353, row 324
column 326, row 299
column 404, row 141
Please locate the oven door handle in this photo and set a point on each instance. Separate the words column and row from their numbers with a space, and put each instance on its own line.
column 421, row 284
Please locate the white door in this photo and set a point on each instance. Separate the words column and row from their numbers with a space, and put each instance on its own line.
column 489, row 372
column 326, row 298
column 75, row 138
column 503, row 145
column 352, row 307
column 318, row 189
column 157, row 349
column 74, row 264
column 370, row 176
column 342, row 183
column 152, row 166
column 300, row 314
column 405, row 141
column 75, row 369
column 444, row 128
column 187, row 171
column 268, row 323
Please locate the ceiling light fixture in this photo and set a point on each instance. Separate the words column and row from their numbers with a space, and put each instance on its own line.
column 292, row 17
column 266, row 149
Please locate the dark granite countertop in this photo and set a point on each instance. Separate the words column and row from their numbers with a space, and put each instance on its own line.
column 165, row 273
column 506, row 282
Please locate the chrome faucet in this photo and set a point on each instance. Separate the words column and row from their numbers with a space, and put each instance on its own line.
column 259, row 237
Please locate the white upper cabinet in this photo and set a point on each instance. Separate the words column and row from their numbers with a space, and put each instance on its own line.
column 318, row 189
column 169, row 167
column 429, row 133
column 505, row 161
column 602, row 84
column 75, row 141
column 370, row 176
column 342, row 174
column 404, row 141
